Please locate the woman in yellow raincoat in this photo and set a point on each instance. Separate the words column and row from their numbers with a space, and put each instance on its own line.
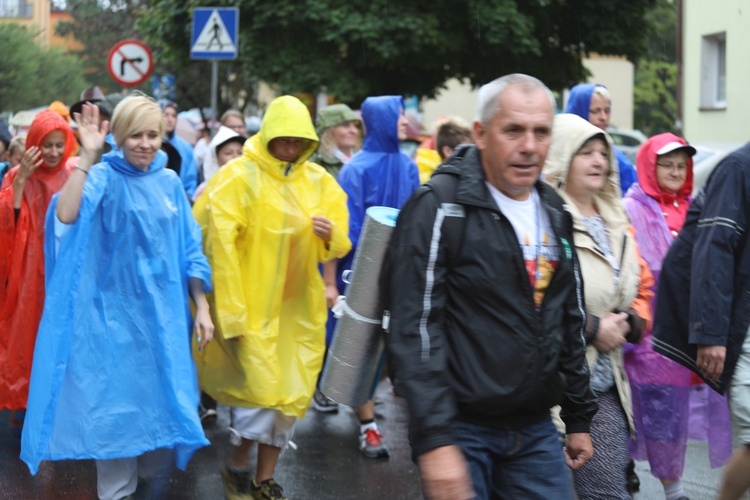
column 269, row 218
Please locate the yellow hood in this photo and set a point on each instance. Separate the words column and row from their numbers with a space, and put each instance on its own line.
column 286, row 116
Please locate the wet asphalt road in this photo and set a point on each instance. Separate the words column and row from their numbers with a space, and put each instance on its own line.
column 325, row 465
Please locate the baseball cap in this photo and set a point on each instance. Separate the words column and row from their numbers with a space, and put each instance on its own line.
column 674, row 146
column 333, row 115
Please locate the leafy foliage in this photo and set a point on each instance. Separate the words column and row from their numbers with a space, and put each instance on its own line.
column 656, row 75
column 655, row 92
column 33, row 76
column 369, row 47
column 99, row 26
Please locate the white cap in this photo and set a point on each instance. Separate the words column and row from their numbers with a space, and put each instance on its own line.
column 674, row 146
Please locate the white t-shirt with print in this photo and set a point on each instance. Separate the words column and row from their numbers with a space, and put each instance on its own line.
column 531, row 224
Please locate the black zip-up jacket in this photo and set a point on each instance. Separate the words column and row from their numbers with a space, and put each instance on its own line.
column 466, row 340
column 704, row 286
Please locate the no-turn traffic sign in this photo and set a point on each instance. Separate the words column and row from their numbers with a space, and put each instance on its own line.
column 130, row 63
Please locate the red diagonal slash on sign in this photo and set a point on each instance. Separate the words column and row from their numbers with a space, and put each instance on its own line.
column 131, row 62
column 144, row 58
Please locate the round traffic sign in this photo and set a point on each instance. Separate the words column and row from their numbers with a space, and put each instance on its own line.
column 130, row 63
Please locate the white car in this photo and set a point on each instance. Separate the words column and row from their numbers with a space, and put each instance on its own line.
column 707, row 156
column 628, row 141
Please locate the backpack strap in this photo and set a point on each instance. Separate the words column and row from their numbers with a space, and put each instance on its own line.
column 445, row 185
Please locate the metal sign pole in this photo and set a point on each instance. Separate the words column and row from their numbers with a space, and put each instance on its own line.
column 214, row 89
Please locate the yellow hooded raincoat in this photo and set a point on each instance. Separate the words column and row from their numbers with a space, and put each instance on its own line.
column 268, row 302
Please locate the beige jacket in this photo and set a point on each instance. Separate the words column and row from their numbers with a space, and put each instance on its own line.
column 603, row 291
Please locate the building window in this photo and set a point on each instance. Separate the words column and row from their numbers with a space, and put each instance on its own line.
column 15, row 8
column 714, row 71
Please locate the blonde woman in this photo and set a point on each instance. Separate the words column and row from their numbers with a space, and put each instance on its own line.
column 112, row 378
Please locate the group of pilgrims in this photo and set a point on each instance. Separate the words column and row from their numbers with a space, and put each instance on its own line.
column 128, row 288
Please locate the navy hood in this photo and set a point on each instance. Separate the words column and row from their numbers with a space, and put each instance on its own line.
column 579, row 101
column 380, row 115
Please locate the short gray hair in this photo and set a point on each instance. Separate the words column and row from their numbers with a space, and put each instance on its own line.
column 488, row 97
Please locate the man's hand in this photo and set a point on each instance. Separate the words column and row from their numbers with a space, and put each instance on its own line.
column 710, row 361
column 613, row 328
column 445, row 474
column 578, row 450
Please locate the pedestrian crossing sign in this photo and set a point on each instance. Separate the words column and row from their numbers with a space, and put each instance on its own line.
column 215, row 31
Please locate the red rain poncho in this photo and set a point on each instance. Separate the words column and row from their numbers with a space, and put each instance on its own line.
column 22, row 261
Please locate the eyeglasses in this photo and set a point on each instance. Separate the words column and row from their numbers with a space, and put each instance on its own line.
column 680, row 167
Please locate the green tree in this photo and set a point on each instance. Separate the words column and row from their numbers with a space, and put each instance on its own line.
column 33, row 76
column 100, row 25
column 662, row 31
column 656, row 74
column 655, row 92
column 368, row 47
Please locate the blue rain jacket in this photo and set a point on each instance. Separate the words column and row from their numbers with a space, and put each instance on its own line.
column 113, row 374
column 188, row 171
column 378, row 175
column 579, row 103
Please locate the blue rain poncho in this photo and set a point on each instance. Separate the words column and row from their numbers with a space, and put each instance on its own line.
column 188, row 170
column 579, row 103
column 112, row 374
column 379, row 174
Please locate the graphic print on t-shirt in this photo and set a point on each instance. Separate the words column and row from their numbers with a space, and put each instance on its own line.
column 531, row 223
column 549, row 257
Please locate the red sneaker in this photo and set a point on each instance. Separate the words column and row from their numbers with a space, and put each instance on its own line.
column 371, row 444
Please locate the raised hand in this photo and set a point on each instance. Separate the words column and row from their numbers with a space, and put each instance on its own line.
column 30, row 161
column 91, row 134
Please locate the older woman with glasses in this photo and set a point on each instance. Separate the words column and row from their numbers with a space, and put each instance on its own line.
column 663, row 391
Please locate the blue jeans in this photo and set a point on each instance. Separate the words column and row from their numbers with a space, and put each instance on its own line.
column 524, row 464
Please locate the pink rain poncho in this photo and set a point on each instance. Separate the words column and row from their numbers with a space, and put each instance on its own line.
column 669, row 405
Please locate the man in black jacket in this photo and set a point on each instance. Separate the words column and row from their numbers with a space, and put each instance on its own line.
column 703, row 307
column 486, row 332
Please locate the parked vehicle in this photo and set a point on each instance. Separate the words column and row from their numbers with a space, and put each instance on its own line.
column 628, row 141
column 707, row 156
